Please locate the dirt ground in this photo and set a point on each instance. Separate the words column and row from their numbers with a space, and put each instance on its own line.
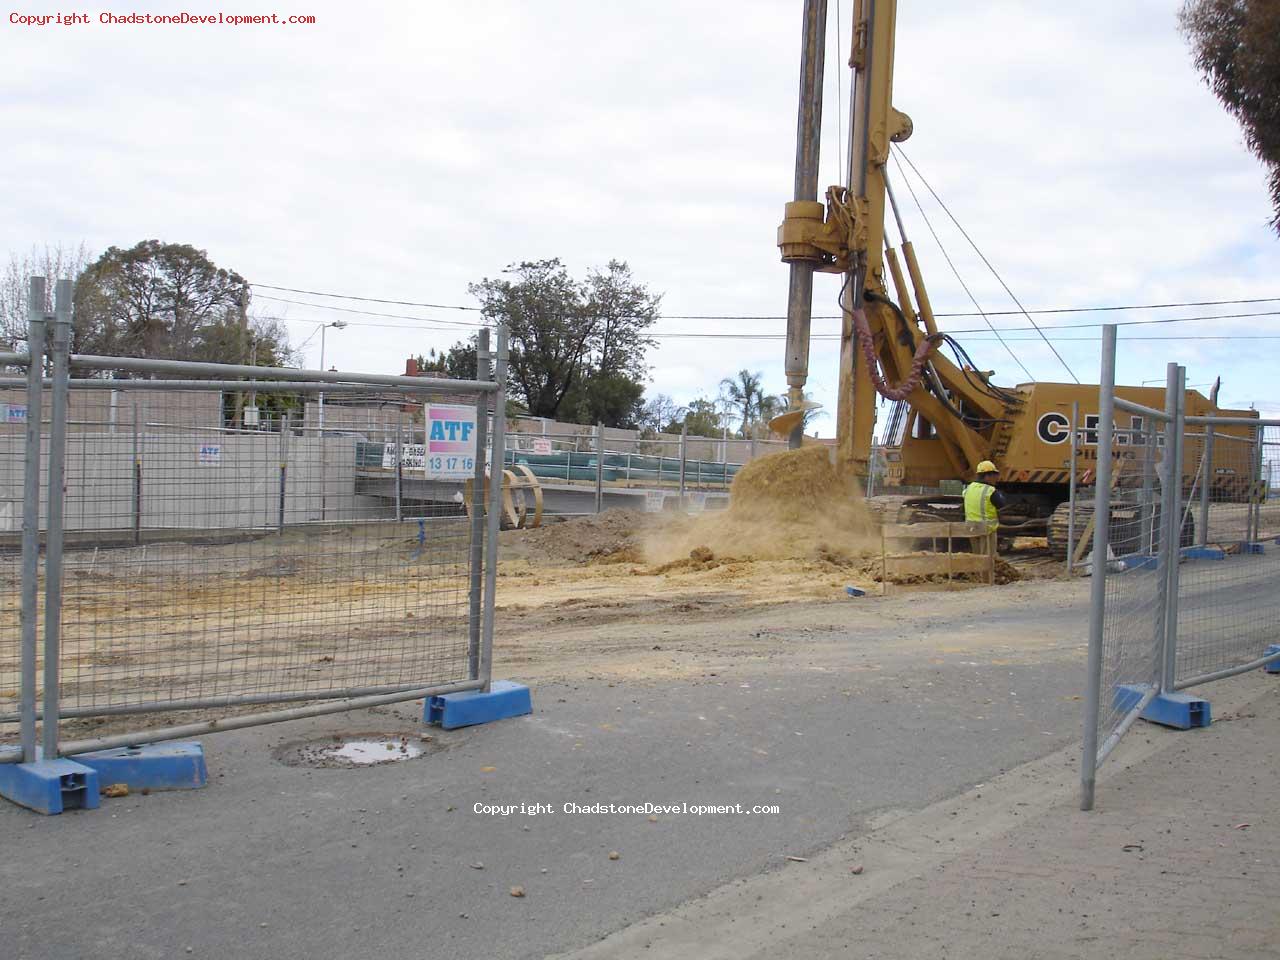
column 378, row 606
column 330, row 609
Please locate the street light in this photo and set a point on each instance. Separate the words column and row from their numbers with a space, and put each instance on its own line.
column 337, row 325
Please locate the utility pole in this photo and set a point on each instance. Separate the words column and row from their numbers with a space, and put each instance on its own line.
column 337, row 325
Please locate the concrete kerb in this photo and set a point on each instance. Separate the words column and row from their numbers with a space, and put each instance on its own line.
column 756, row 917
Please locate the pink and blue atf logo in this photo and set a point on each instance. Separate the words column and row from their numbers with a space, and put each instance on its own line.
column 450, row 429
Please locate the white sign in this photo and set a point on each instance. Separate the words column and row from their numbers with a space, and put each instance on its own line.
column 209, row 454
column 653, row 501
column 697, row 503
column 451, row 441
column 412, row 455
column 16, row 413
column 541, row 445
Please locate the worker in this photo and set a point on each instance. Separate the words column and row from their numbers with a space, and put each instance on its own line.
column 982, row 501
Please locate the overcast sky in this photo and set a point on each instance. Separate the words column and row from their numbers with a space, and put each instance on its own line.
column 403, row 150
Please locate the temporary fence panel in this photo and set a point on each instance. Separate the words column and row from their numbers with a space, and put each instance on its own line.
column 1130, row 562
column 1182, row 578
column 212, row 569
column 1226, row 618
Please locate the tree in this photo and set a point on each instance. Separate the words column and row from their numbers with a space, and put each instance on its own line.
column 458, row 362
column 659, row 412
column 614, row 400
column 51, row 262
column 622, row 311
column 566, row 333
column 168, row 301
column 703, row 419
column 743, row 392
column 1236, row 44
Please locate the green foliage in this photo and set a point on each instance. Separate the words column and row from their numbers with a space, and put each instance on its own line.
column 743, row 392
column 1236, row 44
column 615, row 401
column 458, row 362
column 567, row 333
column 170, row 301
column 703, row 418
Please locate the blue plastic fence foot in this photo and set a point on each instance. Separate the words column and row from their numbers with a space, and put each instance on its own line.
column 1178, row 710
column 1141, row 562
column 1252, row 548
column 152, row 766
column 1274, row 665
column 50, row 786
column 855, row 592
column 504, row 699
column 1203, row 553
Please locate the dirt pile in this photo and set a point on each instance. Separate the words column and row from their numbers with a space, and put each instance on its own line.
column 789, row 505
column 610, row 537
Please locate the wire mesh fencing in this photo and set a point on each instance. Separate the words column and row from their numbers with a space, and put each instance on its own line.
column 1132, row 568
column 1227, row 616
column 222, row 548
column 622, row 467
column 1185, row 569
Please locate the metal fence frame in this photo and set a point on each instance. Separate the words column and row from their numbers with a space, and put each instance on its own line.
column 49, row 349
column 1170, row 552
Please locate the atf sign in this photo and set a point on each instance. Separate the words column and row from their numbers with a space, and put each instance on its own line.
column 451, row 441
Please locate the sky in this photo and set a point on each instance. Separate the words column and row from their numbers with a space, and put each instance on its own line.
column 402, row 151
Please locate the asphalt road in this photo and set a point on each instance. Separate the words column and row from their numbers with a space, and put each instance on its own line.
column 280, row 861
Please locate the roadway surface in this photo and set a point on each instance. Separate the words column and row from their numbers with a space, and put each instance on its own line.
column 893, row 713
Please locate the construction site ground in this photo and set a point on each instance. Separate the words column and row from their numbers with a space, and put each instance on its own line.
column 909, row 761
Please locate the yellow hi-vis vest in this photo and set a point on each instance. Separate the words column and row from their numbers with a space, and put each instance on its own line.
column 978, row 507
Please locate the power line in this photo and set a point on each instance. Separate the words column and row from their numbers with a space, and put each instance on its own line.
column 343, row 296
column 761, row 316
column 836, row 336
column 371, row 313
column 990, row 267
column 976, row 331
column 1127, row 306
column 946, row 256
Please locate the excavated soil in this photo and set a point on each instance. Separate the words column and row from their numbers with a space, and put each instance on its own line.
column 792, row 529
column 786, row 506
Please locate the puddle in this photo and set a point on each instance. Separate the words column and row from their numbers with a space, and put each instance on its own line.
column 363, row 752
column 357, row 750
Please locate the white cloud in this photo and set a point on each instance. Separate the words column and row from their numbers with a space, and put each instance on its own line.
column 403, row 151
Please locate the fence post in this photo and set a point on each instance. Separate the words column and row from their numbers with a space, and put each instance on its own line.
column 1098, row 583
column 1071, row 490
column 600, row 467
column 1256, row 488
column 495, row 498
column 684, row 446
column 1148, row 489
column 60, row 356
column 31, row 517
column 400, row 467
column 479, row 517
column 284, row 467
column 137, row 476
column 1171, row 550
column 884, row 563
column 1206, row 481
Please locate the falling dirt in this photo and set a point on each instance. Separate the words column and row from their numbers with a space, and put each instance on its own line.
column 786, row 506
